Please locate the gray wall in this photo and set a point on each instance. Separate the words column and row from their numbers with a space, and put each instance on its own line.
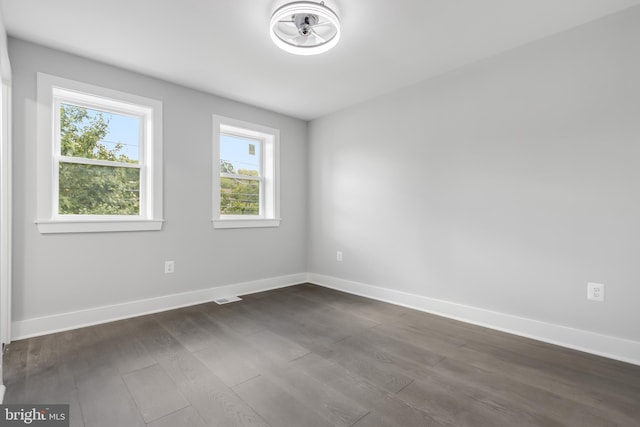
column 62, row 273
column 506, row 185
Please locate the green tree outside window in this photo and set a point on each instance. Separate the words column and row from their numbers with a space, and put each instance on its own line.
column 87, row 189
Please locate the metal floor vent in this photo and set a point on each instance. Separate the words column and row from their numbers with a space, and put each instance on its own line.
column 226, row 300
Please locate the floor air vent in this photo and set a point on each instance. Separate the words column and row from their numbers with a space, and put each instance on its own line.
column 226, row 300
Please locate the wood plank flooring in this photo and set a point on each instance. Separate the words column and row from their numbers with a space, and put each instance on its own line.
column 307, row 356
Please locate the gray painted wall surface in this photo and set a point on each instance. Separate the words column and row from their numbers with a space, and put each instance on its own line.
column 506, row 185
column 62, row 273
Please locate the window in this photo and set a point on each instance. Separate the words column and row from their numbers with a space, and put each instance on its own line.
column 245, row 176
column 99, row 159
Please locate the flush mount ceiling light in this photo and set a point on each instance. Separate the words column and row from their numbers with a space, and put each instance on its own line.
column 305, row 28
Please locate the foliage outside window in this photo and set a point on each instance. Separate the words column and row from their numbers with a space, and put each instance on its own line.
column 99, row 159
column 97, row 176
column 245, row 176
column 241, row 182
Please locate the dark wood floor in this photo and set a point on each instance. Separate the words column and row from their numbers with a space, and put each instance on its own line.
column 308, row 356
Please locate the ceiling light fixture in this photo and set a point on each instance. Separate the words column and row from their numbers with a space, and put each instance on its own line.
column 305, row 28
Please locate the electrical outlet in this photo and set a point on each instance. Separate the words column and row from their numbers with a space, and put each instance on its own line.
column 169, row 267
column 339, row 256
column 595, row 292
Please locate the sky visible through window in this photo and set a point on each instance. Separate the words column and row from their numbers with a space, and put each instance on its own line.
column 242, row 153
column 124, row 130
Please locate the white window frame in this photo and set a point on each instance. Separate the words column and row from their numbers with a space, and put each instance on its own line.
column 269, row 139
column 53, row 91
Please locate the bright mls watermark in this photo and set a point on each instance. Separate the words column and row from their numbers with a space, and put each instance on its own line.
column 34, row 415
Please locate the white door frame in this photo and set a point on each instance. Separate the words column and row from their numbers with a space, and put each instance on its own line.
column 5, row 223
column 5, row 198
column 5, row 216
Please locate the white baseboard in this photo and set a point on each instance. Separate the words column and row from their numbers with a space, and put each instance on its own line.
column 577, row 339
column 93, row 316
column 590, row 342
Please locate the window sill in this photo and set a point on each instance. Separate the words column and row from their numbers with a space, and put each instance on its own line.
column 98, row 226
column 246, row 223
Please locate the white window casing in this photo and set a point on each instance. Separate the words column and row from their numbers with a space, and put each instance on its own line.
column 54, row 91
column 269, row 177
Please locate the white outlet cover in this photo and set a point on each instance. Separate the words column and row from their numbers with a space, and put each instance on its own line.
column 169, row 266
column 595, row 291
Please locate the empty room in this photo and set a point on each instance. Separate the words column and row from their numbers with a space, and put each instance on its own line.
column 320, row 213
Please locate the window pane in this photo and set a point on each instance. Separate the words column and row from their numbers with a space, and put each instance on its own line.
column 101, row 135
column 239, row 155
column 239, row 196
column 98, row 190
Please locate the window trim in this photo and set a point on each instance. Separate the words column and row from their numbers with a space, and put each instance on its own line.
column 52, row 91
column 270, row 183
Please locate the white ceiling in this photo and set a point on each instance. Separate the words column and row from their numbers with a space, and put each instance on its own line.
column 223, row 46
